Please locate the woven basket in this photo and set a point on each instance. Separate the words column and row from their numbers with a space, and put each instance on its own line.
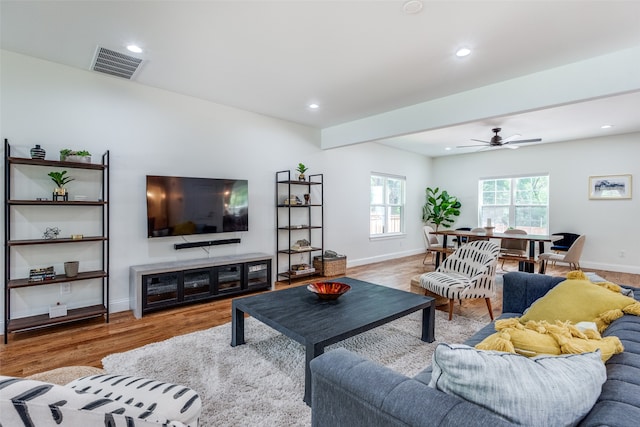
column 331, row 267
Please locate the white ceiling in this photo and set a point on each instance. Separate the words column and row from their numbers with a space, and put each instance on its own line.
column 356, row 59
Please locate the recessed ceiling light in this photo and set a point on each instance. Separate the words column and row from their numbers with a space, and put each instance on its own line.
column 448, row 149
column 462, row 52
column 314, row 106
column 606, row 126
column 133, row 48
column 412, row 6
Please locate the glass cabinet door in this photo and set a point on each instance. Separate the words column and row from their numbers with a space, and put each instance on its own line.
column 259, row 274
column 229, row 278
column 161, row 289
column 197, row 284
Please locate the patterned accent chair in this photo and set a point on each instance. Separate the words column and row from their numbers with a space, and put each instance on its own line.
column 470, row 272
column 98, row 400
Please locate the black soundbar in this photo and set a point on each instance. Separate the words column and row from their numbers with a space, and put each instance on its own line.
column 205, row 243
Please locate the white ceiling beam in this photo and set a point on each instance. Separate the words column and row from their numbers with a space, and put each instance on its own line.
column 602, row 76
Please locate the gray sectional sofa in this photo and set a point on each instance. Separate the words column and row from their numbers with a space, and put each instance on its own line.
column 349, row 390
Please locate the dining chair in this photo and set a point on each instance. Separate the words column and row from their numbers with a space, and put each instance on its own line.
column 510, row 249
column 571, row 257
column 564, row 243
column 470, row 272
column 432, row 244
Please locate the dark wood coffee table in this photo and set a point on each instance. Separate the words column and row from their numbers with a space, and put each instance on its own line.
column 314, row 323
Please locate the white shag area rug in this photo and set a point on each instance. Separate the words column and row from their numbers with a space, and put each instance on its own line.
column 261, row 383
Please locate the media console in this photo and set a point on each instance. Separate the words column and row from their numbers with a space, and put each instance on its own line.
column 170, row 284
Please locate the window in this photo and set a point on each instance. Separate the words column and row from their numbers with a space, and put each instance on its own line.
column 387, row 205
column 517, row 202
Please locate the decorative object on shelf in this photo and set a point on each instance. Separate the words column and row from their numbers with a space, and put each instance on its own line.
column 41, row 274
column 302, row 245
column 293, row 200
column 38, row 152
column 301, row 269
column 71, row 268
column 82, row 156
column 307, row 199
column 51, row 233
column 77, row 236
column 57, row 310
column 328, row 290
column 61, row 180
column 301, row 169
column 440, row 208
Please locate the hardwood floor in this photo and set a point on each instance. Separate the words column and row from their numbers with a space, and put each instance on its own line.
column 87, row 342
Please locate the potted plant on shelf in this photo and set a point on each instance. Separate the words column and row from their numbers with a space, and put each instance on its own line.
column 82, row 156
column 301, row 169
column 440, row 208
column 61, row 180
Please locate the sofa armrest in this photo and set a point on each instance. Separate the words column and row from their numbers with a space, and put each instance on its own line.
column 348, row 389
column 520, row 290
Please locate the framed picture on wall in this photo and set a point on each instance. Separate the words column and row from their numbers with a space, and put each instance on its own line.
column 610, row 187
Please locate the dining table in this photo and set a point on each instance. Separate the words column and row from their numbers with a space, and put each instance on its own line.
column 526, row 264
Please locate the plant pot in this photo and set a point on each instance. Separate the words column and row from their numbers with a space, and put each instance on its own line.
column 301, row 177
column 71, row 268
column 77, row 159
column 59, row 191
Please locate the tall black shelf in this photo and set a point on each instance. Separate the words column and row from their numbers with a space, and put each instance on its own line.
column 288, row 233
column 12, row 284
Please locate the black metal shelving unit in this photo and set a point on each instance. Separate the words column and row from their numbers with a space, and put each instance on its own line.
column 288, row 233
column 12, row 284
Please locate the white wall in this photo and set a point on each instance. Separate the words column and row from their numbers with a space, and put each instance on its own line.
column 151, row 131
column 611, row 226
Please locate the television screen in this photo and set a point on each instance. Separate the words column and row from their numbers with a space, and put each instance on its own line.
column 180, row 206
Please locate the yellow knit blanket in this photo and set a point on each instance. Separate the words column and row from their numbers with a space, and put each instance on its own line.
column 545, row 335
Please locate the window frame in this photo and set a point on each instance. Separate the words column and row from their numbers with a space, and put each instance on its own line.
column 513, row 206
column 387, row 207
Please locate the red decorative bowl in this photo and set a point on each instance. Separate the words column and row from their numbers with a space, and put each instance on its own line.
column 328, row 290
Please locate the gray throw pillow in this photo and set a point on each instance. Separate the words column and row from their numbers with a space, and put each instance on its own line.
column 537, row 391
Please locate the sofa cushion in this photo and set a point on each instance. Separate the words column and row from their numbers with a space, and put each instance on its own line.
column 547, row 390
column 581, row 301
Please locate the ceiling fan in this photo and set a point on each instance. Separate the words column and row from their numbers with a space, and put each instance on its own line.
column 498, row 141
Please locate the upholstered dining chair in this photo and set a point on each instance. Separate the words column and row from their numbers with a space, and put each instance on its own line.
column 513, row 248
column 470, row 272
column 432, row 244
column 571, row 257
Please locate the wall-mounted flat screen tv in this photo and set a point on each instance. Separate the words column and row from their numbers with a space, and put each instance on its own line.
column 178, row 206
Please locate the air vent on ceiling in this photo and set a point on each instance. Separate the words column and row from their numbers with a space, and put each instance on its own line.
column 115, row 63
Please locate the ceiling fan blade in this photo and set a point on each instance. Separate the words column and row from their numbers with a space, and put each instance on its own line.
column 479, row 140
column 512, row 137
column 524, row 141
column 471, row 146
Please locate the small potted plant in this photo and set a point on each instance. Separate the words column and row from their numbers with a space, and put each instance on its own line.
column 82, row 156
column 61, row 180
column 301, row 169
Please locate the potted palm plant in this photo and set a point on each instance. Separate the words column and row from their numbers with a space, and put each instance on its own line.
column 61, row 180
column 301, row 169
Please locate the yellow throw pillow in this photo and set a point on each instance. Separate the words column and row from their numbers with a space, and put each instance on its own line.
column 577, row 300
column 538, row 338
